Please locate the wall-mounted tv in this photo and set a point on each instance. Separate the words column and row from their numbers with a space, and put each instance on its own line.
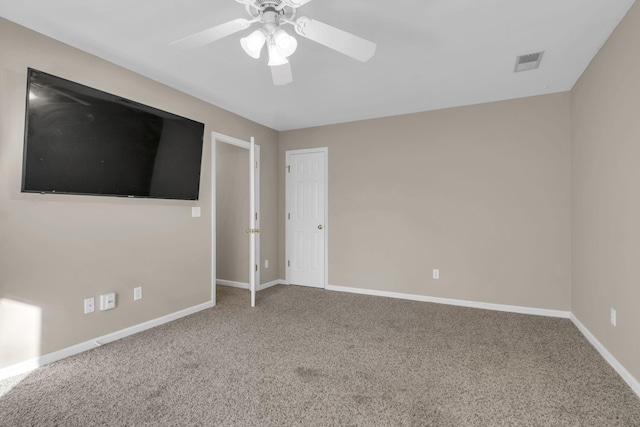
column 80, row 140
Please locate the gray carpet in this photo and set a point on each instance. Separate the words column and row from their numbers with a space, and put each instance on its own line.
column 312, row 357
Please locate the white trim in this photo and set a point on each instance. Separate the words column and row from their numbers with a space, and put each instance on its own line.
column 253, row 263
column 457, row 302
column 37, row 362
column 257, row 208
column 230, row 140
column 214, row 248
column 617, row 366
column 621, row 370
column 243, row 285
column 324, row 150
column 269, row 284
column 231, row 283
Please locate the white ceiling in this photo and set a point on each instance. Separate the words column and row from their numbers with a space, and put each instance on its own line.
column 431, row 54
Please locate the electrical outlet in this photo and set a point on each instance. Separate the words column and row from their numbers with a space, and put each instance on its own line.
column 108, row 301
column 89, row 305
column 137, row 293
column 613, row 316
column 436, row 273
column 266, row 263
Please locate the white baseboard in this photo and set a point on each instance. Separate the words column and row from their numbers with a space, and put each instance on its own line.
column 244, row 285
column 269, row 284
column 35, row 363
column 231, row 283
column 457, row 302
column 30, row 365
column 621, row 370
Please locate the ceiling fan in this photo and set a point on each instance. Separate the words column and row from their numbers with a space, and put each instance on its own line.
column 273, row 15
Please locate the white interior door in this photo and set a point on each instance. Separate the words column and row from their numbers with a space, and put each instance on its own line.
column 306, row 229
column 252, row 231
column 256, row 216
column 254, row 219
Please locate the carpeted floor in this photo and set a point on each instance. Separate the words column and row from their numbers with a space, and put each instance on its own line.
column 305, row 356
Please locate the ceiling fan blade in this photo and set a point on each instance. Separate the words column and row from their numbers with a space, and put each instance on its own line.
column 212, row 34
column 281, row 74
column 342, row 41
column 295, row 3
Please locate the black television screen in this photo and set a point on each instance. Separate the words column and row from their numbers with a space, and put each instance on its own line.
column 80, row 140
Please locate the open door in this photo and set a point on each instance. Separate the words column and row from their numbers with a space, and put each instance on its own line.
column 253, row 230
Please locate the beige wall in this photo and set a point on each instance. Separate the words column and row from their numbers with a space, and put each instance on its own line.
column 56, row 250
column 606, row 193
column 480, row 192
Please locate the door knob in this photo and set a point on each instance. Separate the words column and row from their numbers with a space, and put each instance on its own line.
column 320, row 227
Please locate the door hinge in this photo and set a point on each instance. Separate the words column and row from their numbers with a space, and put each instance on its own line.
column 256, row 165
column 256, row 267
column 289, row 263
column 289, row 168
column 289, row 216
column 256, row 216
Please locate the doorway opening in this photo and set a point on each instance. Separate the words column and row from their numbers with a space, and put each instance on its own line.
column 236, row 213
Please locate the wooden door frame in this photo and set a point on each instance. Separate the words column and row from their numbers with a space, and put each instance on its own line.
column 325, row 152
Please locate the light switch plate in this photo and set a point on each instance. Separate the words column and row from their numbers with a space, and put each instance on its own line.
column 195, row 212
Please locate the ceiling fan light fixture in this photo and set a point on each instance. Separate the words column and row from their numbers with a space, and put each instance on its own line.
column 252, row 44
column 272, row 15
column 274, row 57
column 286, row 45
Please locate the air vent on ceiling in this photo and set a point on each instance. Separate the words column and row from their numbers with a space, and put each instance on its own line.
column 527, row 62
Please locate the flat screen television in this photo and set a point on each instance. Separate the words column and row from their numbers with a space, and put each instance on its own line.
column 80, row 140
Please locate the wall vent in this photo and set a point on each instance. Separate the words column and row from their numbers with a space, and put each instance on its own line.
column 527, row 62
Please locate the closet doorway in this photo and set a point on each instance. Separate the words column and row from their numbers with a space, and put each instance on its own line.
column 236, row 213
